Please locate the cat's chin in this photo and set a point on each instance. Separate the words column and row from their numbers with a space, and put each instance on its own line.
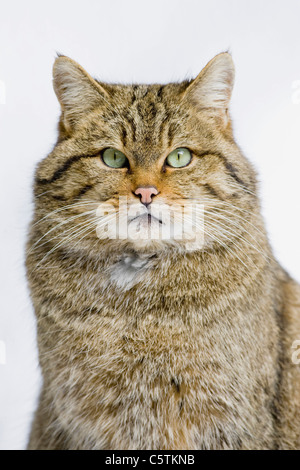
column 150, row 234
column 149, row 247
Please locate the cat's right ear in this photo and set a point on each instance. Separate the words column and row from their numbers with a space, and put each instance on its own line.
column 77, row 92
column 211, row 89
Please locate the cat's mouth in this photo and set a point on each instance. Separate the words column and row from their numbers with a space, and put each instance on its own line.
column 146, row 219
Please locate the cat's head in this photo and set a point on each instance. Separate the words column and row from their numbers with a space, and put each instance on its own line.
column 144, row 167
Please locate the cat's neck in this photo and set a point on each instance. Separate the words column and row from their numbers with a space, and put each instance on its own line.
column 207, row 275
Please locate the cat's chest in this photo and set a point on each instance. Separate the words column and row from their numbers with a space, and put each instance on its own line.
column 162, row 386
column 157, row 362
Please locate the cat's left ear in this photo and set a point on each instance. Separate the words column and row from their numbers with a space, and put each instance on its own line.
column 212, row 88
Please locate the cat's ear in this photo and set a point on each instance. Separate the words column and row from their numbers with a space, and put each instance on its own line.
column 212, row 88
column 77, row 92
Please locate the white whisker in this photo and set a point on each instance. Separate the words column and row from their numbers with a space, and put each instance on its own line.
column 69, row 206
column 69, row 219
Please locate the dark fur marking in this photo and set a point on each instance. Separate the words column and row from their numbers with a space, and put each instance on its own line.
column 134, row 88
column 159, row 92
column 133, row 126
column 212, row 191
column 152, row 110
column 233, row 174
column 175, row 382
column 58, row 197
column 60, row 171
column 139, row 110
column 232, row 171
column 274, row 406
column 83, row 190
column 171, row 133
column 124, row 136
column 146, row 93
column 162, row 130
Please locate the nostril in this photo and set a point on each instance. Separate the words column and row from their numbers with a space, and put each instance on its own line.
column 146, row 193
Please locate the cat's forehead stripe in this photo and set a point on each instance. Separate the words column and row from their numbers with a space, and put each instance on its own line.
column 149, row 120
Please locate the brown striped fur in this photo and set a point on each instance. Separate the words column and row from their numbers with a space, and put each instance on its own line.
column 196, row 352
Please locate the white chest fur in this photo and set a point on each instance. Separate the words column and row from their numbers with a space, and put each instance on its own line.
column 129, row 270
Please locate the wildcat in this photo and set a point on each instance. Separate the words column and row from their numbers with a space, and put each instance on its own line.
column 157, row 342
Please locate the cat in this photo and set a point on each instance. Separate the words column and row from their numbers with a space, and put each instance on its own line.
column 148, row 340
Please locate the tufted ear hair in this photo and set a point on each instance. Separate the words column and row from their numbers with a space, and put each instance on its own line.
column 77, row 92
column 212, row 88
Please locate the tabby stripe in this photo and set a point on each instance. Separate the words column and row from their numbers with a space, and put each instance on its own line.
column 134, row 88
column 232, row 171
column 175, row 382
column 171, row 133
column 83, row 191
column 133, row 126
column 233, row 174
column 274, row 408
column 161, row 132
column 212, row 191
column 159, row 92
column 60, row 171
column 152, row 110
column 58, row 197
column 124, row 136
column 146, row 93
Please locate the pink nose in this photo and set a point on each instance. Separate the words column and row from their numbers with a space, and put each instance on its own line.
column 146, row 193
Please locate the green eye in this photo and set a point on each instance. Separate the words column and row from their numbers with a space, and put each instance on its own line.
column 114, row 158
column 179, row 158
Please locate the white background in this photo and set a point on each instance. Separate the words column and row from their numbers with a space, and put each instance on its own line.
column 136, row 41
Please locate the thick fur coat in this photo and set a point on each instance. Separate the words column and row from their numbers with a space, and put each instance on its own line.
column 158, row 344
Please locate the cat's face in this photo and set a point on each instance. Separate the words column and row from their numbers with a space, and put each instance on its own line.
column 144, row 167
